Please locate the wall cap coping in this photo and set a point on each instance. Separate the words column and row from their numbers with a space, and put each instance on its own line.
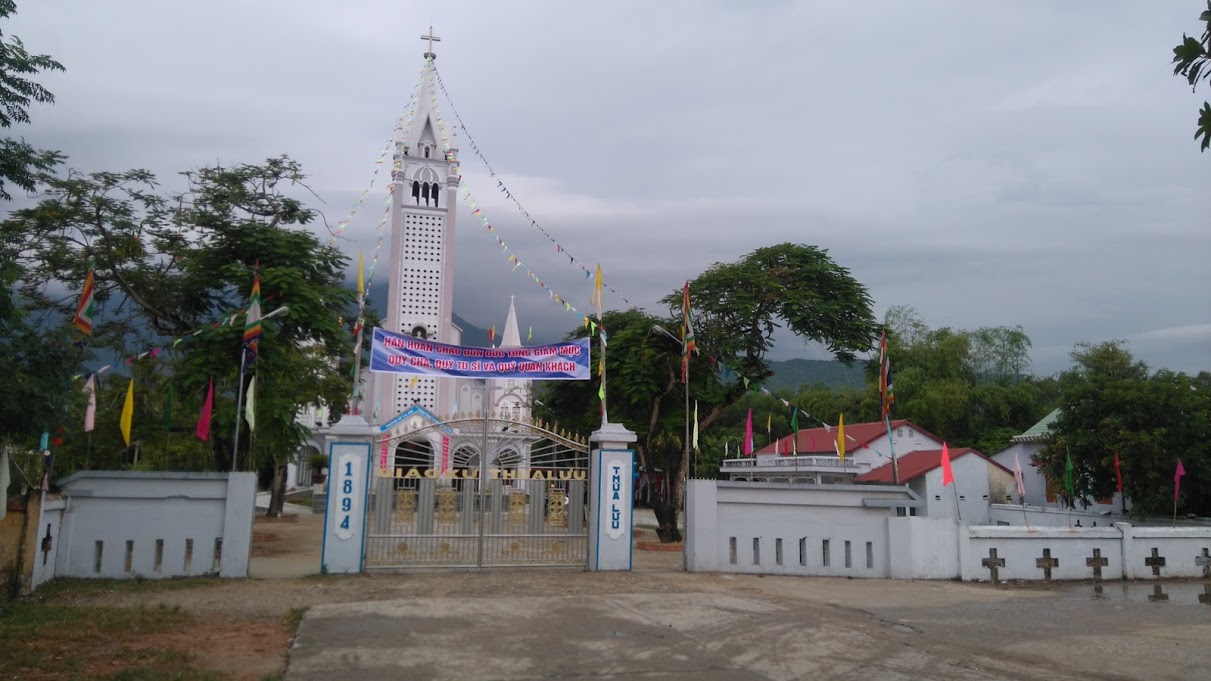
column 1020, row 532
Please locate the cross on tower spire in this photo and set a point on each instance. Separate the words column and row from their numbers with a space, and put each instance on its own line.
column 432, row 39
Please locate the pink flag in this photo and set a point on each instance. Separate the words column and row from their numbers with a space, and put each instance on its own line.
column 1177, row 479
column 1017, row 476
column 90, row 412
column 203, row 431
column 748, row 434
column 948, row 475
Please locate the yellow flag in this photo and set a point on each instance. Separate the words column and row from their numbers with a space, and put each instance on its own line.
column 413, row 381
column 769, row 420
column 841, row 437
column 598, row 300
column 128, row 412
column 361, row 277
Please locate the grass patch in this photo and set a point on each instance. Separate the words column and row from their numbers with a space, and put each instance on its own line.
column 42, row 640
column 63, row 587
column 294, row 618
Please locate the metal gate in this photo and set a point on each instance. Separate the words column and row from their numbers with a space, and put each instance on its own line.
column 477, row 491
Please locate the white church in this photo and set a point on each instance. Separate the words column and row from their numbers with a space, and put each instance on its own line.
column 421, row 296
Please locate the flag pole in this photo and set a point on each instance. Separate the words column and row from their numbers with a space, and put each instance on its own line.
column 958, row 507
column 239, row 409
column 891, row 447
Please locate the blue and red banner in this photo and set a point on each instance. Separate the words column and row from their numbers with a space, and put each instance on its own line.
column 397, row 353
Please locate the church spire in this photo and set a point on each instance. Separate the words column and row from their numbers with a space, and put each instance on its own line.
column 511, row 338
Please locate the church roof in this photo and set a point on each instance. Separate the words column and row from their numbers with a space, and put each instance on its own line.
column 916, row 464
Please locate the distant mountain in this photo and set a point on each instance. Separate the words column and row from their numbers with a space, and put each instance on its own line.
column 799, row 373
column 472, row 334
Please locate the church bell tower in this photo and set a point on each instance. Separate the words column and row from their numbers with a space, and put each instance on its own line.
column 420, row 300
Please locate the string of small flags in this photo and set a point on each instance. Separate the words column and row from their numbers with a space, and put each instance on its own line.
column 405, row 119
column 155, row 352
column 403, row 129
column 509, row 193
column 750, row 385
column 504, row 247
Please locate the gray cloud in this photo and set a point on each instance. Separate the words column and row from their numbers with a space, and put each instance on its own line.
column 987, row 164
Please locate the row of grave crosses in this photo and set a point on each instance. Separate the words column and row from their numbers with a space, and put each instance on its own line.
column 1097, row 561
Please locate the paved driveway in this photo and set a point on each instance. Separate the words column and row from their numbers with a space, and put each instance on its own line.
column 672, row 626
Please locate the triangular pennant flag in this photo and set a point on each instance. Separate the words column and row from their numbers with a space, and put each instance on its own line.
column 128, row 412
column 841, row 437
column 250, row 405
column 948, row 475
column 203, row 429
column 90, row 412
column 85, row 308
column 695, row 440
column 1177, row 480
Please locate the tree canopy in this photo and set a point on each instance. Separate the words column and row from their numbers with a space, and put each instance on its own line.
column 168, row 264
column 735, row 310
column 20, row 163
column 1192, row 60
column 1110, row 403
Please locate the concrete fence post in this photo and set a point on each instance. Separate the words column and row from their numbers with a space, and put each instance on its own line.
column 1127, row 549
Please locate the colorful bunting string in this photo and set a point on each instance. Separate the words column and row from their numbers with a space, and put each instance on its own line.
column 404, row 122
column 155, row 352
column 512, row 258
column 509, row 193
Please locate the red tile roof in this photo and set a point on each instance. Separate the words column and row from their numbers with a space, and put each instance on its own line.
column 857, row 436
column 916, row 464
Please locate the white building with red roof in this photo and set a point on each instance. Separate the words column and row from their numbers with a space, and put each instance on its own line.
column 811, row 455
column 978, row 482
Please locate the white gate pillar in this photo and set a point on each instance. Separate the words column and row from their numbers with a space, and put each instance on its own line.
column 350, row 443
column 611, row 498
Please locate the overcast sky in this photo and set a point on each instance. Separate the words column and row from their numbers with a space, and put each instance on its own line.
column 986, row 163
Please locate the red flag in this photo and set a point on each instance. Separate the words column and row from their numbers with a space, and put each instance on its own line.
column 1118, row 473
column 1177, row 479
column 203, row 430
column 748, row 435
column 948, row 475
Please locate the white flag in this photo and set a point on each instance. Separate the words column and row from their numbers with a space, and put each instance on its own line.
column 1017, row 477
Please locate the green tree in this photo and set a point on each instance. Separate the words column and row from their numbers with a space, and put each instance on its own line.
column 1111, row 403
column 169, row 264
column 736, row 306
column 971, row 388
column 20, row 163
column 1192, row 60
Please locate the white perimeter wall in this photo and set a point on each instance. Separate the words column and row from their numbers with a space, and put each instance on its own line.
column 736, row 527
column 141, row 524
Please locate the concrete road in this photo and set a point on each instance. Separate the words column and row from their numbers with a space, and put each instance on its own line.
column 523, row 625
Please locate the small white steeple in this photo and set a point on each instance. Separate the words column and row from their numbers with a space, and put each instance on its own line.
column 511, row 337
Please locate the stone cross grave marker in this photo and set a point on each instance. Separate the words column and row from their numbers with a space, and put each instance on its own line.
column 1097, row 562
column 1047, row 562
column 1204, row 561
column 1156, row 562
column 993, row 564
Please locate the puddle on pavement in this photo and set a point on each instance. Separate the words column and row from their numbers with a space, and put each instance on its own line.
column 1156, row 592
